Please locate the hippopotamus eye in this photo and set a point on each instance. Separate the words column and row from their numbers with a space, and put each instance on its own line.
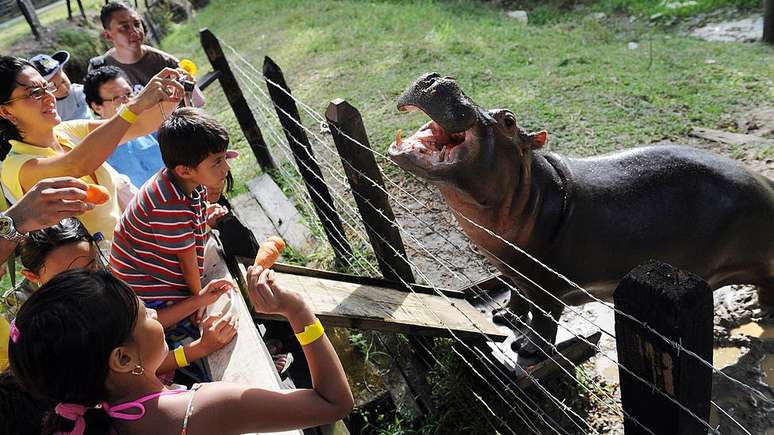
column 510, row 120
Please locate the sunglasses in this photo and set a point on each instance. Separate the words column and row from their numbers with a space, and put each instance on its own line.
column 36, row 93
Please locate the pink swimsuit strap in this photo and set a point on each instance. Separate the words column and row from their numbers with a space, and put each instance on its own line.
column 115, row 411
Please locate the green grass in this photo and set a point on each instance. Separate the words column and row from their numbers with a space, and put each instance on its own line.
column 576, row 78
column 10, row 33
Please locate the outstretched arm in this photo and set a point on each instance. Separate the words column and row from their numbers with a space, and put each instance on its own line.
column 161, row 95
column 44, row 205
column 241, row 408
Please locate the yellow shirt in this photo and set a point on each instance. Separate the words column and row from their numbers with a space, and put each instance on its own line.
column 103, row 218
column 5, row 335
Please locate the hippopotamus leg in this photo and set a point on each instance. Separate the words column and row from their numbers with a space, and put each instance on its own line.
column 538, row 338
column 515, row 313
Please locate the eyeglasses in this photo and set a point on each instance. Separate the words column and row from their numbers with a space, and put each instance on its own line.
column 121, row 98
column 36, row 93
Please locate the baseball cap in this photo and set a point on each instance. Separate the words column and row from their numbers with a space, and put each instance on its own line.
column 47, row 65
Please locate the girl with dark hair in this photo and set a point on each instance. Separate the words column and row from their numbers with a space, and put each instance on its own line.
column 98, row 368
column 35, row 143
column 65, row 246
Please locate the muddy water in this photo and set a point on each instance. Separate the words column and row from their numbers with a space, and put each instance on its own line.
column 754, row 329
column 725, row 356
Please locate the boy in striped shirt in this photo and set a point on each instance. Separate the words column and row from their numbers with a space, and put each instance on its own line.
column 158, row 247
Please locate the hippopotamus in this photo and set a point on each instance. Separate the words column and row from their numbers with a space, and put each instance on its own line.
column 590, row 219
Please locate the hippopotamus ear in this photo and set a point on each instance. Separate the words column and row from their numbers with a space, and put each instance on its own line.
column 537, row 140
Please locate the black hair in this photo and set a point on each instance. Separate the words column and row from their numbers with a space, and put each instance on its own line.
column 189, row 136
column 96, row 78
column 67, row 331
column 106, row 13
column 10, row 68
column 20, row 413
column 40, row 243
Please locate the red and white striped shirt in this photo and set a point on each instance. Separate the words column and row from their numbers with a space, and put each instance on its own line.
column 159, row 223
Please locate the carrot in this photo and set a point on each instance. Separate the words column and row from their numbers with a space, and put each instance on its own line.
column 269, row 252
column 97, row 194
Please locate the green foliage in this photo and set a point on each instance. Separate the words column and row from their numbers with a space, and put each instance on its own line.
column 82, row 43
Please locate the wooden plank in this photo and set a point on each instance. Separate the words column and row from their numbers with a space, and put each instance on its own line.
column 245, row 360
column 251, row 214
column 362, row 306
column 281, row 212
column 573, row 353
column 729, row 138
column 208, row 79
column 357, row 279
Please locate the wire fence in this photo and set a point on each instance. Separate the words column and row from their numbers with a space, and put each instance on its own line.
column 411, row 208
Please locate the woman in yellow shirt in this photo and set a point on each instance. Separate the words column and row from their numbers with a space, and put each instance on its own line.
column 39, row 145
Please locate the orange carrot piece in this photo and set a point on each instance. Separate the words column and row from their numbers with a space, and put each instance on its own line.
column 96, row 194
column 269, row 252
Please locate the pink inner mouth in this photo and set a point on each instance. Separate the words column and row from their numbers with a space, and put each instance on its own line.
column 433, row 141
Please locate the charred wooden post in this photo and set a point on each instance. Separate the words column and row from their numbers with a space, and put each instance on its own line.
column 367, row 184
column 677, row 305
column 768, row 22
column 407, row 377
column 80, row 7
column 237, row 100
column 28, row 10
column 287, row 112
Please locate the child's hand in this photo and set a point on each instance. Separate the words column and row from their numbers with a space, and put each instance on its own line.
column 210, row 293
column 218, row 330
column 268, row 297
column 215, row 212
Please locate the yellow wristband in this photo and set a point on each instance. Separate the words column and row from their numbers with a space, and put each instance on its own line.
column 311, row 333
column 180, row 357
column 127, row 115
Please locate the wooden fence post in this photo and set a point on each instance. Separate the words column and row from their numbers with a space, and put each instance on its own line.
column 407, row 377
column 677, row 305
column 69, row 10
column 80, row 7
column 367, row 184
column 28, row 10
column 287, row 112
column 237, row 100
column 768, row 22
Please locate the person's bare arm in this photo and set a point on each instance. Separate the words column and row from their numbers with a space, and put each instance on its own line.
column 44, row 205
column 234, row 408
column 169, row 316
column 217, row 331
column 189, row 265
column 100, row 143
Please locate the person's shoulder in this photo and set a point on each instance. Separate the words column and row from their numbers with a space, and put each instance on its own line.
column 159, row 54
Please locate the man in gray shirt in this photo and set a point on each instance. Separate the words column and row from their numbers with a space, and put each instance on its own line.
column 70, row 100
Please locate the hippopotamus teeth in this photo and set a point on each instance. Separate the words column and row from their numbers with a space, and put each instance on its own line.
column 398, row 139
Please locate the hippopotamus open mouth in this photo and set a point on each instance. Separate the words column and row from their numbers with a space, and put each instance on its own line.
column 449, row 139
